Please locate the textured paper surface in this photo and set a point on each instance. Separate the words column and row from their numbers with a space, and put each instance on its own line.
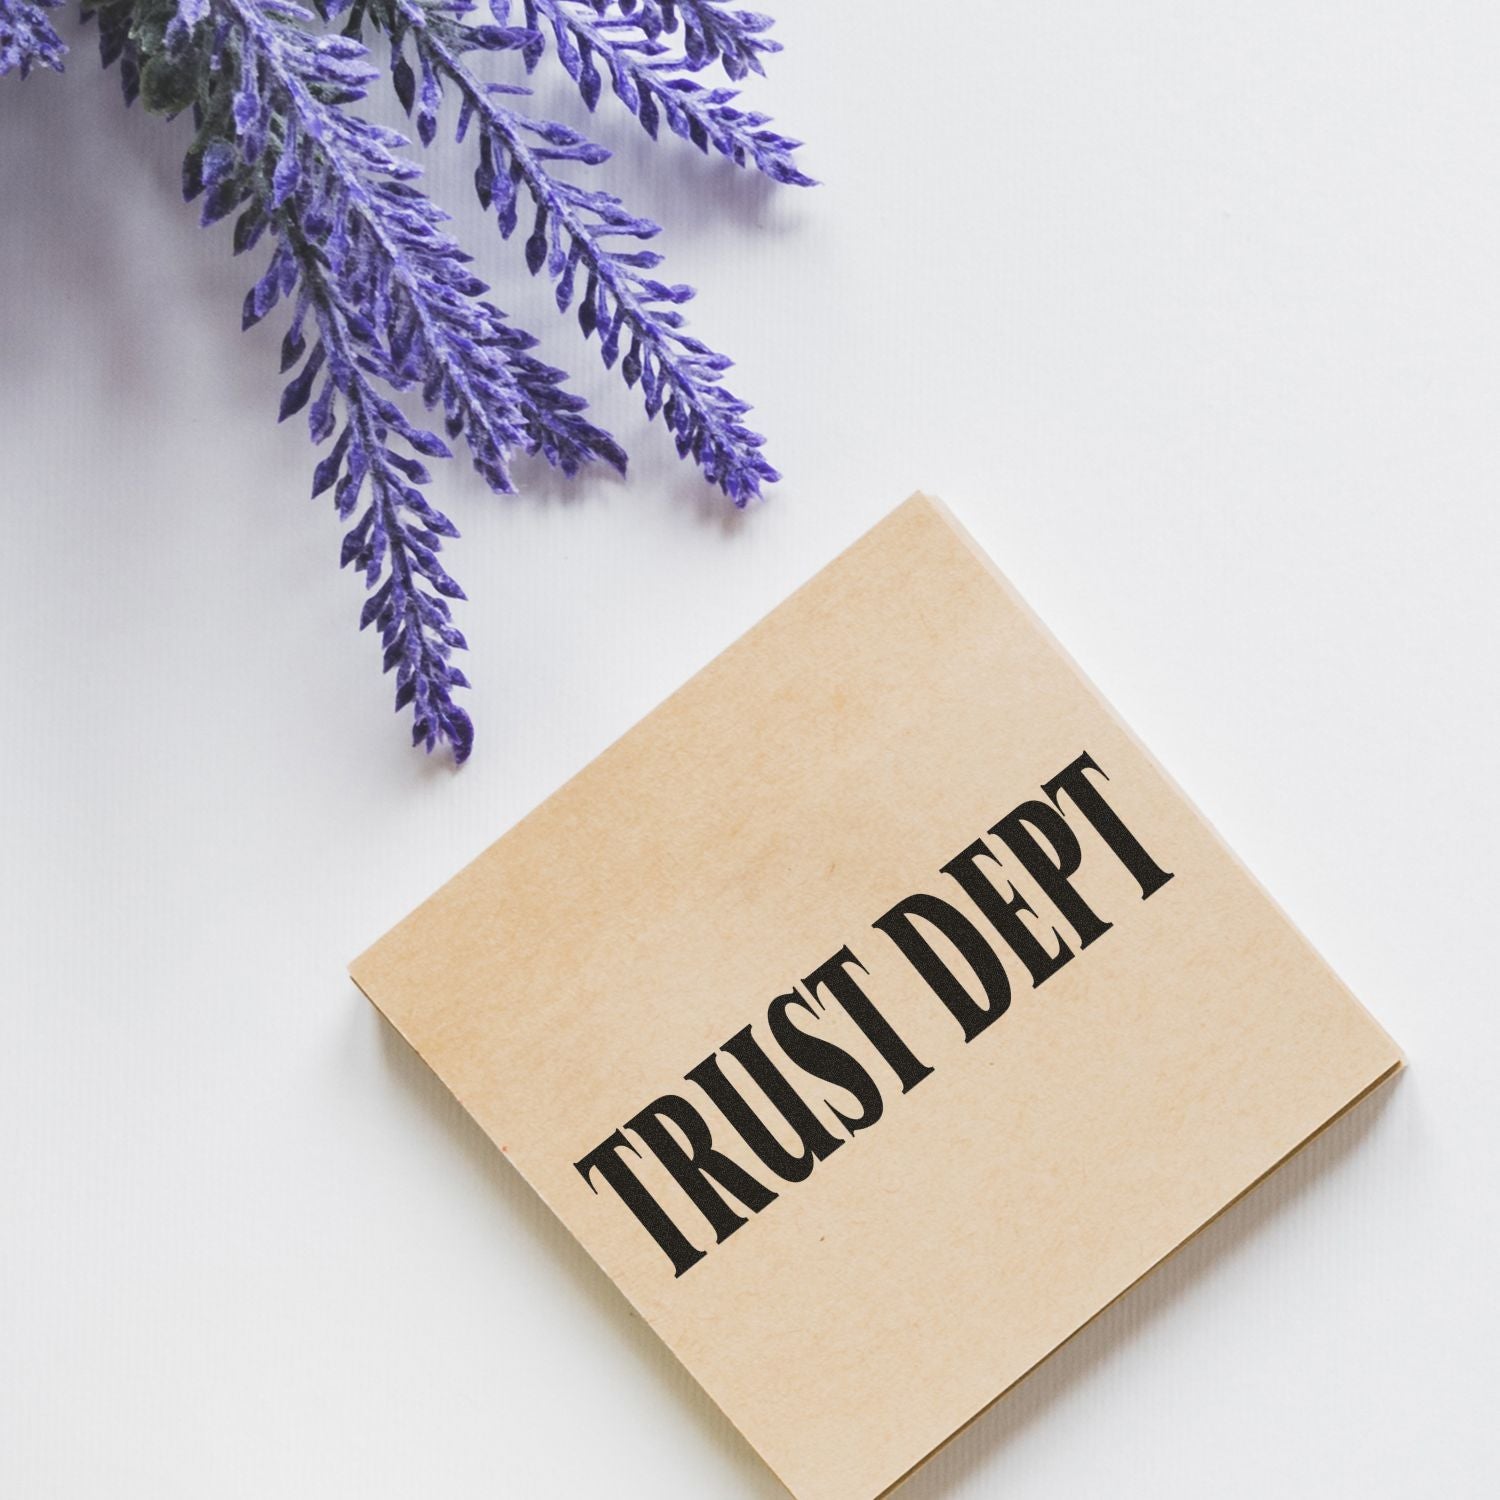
column 821, row 770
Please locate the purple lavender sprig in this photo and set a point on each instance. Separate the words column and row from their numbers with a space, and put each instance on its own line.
column 711, row 31
column 648, row 78
column 389, row 298
column 383, row 302
column 27, row 39
column 571, row 228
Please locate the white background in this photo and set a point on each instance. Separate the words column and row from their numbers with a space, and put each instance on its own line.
column 1191, row 311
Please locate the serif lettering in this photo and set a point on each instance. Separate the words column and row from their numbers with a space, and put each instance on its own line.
column 717, row 1194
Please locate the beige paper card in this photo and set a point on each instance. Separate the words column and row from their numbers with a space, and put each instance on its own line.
column 876, row 1011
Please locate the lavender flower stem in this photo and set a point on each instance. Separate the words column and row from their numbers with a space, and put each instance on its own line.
column 705, row 417
column 369, row 438
column 639, row 73
column 27, row 39
column 384, row 300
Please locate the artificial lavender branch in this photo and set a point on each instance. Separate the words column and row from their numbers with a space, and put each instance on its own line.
column 27, row 39
column 388, row 295
column 384, row 301
column 647, row 76
column 712, row 32
column 679, row 376
column 415, row 622
column 390, row 299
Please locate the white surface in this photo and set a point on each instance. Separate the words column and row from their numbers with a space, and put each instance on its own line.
column 1189, row 310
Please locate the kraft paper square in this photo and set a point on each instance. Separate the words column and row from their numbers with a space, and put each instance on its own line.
column 982, row 1019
